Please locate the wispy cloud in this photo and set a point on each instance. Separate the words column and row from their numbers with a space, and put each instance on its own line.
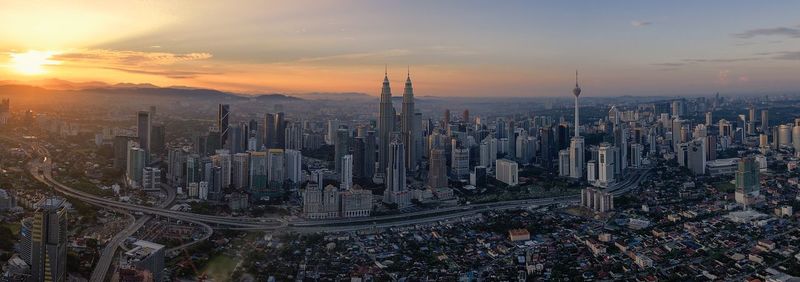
column 638, row 23
column 792, row 32
column 170, row 65
column 377, row 55
column 130, row 57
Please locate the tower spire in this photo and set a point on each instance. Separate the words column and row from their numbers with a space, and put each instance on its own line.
column 576, row 78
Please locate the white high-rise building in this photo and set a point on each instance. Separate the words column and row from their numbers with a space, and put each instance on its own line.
column 488, row 151
column 796, row 136
column 346, row 178
column 151, row 178
column 591, row 172
column 785, row 135
column 576, row 149
column 606, row 164
column 507, row 171
column 294, row 166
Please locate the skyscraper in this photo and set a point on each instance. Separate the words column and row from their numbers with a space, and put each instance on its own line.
column 294, row 166
column 49, row 241
column 747, row 181
column 346, row 176
column 437, row 170
column 395, row 192
column 765, row 120
column 408, row 126
column 341, row 148
column 369, row 154
column 576, row 154
column 385, row 125
column 144, row 129
column 222, row 124
column 258, row 175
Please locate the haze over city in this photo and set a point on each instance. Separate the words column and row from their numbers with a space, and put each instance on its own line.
column 454, row 48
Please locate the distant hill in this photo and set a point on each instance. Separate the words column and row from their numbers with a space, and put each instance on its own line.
column 131, row 90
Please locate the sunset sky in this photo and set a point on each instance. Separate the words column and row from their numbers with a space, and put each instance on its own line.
column 454, row 48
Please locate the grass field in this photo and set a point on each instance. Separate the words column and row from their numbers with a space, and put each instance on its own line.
column 220, row 268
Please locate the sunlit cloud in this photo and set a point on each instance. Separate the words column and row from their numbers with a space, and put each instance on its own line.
column 32, row 62
column 129, row 58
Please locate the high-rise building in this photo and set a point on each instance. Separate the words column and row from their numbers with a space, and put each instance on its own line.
column 784, row 135
column 120, row 147
column 333, row 126
column 488, row 151
column 796, row 136
column 158, row 138
column 605, row 164
column 151, row 179
column 240, row 171
column 563, row 163
column 748, row 184
column 437, row 169
column 506, row 171
column 459, row 163
column 396, row 192
column 346, row 176
column 222, row 159
column 136, row 163
column 145, row 256
column 359, row 150
column 369, row 154
column 294, row 137
column 408, row 127
column 764, row 120
column 294, row 166
column 576, row 150
column 385, row 125
column 258, row 175
column 49, row 241
column 222, row 125
column 276, row 169
column 341, row 148
column 709, row 119
column 144, row 129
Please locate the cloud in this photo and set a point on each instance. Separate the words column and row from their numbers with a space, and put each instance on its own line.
column 128, row 58
column 377, row 55
column 787, row 56
column 177, row 74
column 791, row 32
column 638, row 23
column 721, row 60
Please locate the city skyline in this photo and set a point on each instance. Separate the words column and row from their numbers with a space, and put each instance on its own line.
column 468, row 49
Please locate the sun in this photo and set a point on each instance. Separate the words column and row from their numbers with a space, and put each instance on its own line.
column 32, row 62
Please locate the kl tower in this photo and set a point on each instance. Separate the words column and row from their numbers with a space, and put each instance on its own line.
column 576, row 150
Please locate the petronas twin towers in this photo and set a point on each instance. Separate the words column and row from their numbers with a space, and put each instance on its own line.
column 407, row 131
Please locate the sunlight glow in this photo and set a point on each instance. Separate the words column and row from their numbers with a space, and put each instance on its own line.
column 32, row 62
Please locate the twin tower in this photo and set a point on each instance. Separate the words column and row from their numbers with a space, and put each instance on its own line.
column 407, row 133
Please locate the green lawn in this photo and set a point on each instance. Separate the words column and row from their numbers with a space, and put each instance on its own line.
column 220, row 268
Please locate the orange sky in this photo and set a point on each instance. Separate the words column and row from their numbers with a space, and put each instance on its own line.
column 469, row 49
